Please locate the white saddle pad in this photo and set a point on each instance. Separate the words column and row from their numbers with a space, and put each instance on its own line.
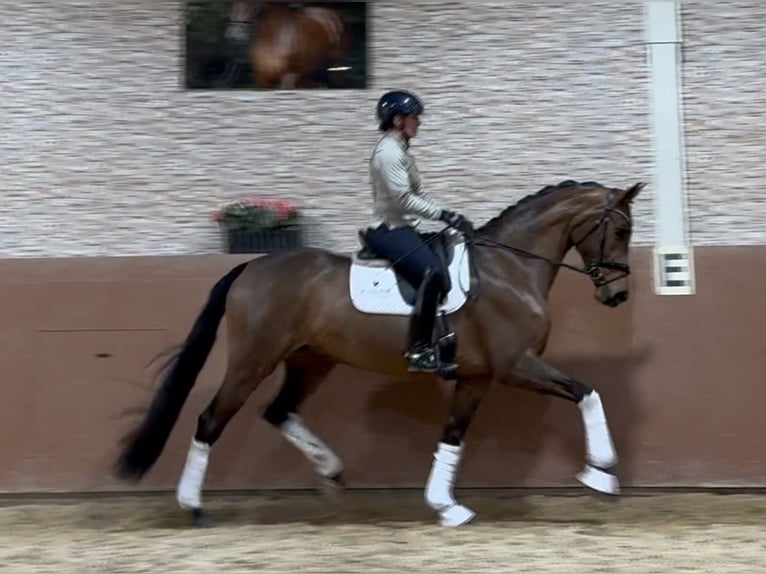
column 374, row 289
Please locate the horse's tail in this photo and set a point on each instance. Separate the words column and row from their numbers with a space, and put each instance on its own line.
column 144, row 445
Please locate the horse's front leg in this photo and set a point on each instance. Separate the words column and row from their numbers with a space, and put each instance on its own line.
column 531, row 372
column 439, row 489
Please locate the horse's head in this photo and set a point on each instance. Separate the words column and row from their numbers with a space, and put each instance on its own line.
column 602, row 237
column 241, row 21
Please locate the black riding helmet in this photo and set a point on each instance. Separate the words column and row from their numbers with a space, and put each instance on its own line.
column 397, row 102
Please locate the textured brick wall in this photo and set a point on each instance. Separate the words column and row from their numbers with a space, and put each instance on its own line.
column 103, row 152
column 724, row 102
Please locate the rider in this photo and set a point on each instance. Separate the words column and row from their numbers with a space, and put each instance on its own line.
column 399, row 203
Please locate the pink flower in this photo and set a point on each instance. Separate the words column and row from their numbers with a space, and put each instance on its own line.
column 282, row 208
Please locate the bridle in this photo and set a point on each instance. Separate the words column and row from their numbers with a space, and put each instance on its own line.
column 594, row 268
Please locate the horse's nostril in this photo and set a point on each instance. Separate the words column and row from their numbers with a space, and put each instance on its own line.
column 620, row 297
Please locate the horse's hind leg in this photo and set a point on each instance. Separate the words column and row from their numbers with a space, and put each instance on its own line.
column 304, row 371
column 244, row 373
column 439, row 488
column 540, row 377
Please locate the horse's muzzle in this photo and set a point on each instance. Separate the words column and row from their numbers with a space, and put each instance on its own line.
column 613, row 294
column 617, row 299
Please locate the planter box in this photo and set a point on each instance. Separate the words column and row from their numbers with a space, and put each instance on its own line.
column 264, row 241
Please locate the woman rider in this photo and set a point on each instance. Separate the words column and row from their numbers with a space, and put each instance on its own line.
column 399, row 204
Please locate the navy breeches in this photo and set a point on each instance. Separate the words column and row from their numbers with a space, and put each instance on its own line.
column 413, row 256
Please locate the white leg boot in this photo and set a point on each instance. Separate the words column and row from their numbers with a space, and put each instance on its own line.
column 189, row 490
column 326, row 462
column 440, row 487
column 600, row 448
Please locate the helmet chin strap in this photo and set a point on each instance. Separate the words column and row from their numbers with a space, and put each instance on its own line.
column 400, row 133
column 400, row 129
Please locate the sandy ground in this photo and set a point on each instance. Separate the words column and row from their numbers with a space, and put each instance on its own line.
column 384, row 532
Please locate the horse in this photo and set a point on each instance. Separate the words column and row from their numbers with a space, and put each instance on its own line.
column 313, row 309
column 289, row 47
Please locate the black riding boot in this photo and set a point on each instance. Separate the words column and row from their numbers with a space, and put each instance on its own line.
column 422, row 355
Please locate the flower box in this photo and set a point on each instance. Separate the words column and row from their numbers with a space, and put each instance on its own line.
column 257, row 225
column 264, row 240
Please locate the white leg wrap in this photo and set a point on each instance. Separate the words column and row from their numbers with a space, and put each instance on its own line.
column 189, row 491
column 599, row 480
column 601, row 452
column 325, row 461
column 442, row 477
column 439, row 489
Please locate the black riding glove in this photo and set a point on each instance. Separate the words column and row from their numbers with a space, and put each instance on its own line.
column 457, row 221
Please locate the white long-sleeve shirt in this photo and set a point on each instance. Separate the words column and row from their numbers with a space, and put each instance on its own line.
column 397, row 196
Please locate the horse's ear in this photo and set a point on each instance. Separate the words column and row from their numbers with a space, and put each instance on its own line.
column 633, row 191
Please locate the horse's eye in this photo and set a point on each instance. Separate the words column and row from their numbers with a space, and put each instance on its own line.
column 622, row 233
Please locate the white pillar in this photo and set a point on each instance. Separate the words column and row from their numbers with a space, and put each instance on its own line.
column 673, row 262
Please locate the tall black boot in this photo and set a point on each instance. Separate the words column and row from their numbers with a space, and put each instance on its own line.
column 422, row 355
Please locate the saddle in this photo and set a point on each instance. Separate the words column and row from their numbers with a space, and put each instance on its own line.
column 442, row 244
column 376, row 288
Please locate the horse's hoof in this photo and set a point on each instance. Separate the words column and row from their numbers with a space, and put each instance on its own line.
column 334, row 485
column 599, row 480
column 457, row 515
column 337, row 482
column 200, row 519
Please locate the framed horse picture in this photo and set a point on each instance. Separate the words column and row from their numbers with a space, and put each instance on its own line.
column 248, row 44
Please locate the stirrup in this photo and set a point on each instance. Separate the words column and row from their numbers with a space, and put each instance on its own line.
column 424, row 360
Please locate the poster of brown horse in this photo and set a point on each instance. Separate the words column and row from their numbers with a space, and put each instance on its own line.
column 248, row 44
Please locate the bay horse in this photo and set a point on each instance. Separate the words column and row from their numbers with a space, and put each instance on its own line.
column 289, row 47
column 295, row 307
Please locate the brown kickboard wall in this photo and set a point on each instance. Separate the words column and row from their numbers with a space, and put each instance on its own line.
column 681, row 378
